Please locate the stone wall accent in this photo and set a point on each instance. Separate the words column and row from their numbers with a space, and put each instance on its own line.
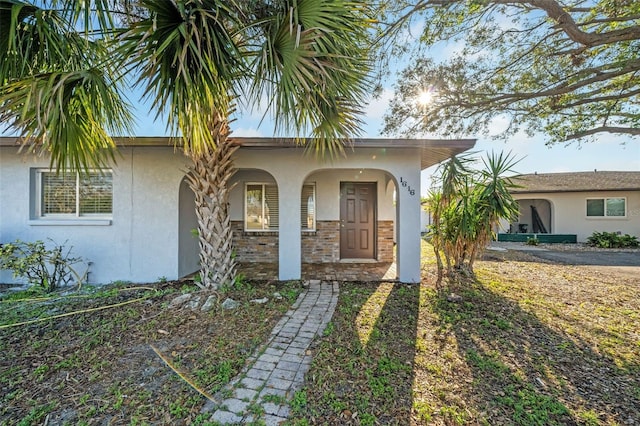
column 385, row 241
column 254, row 246
column 319, row 246
column 323, row 245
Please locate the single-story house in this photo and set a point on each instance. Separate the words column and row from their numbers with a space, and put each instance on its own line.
column 135, row 221
column 577, row 204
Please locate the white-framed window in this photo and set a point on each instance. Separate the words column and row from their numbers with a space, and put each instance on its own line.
column 607, row 207
column 261, row 207
column 71, row 196
column 308, row 207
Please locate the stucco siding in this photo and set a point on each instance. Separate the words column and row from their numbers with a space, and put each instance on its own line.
column 139, row 243
column 569, row 213
column 145, row 238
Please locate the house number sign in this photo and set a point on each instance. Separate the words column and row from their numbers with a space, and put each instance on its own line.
column 406, row 185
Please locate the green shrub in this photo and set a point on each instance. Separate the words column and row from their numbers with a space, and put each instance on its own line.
column 48, row 269
column 532, row 241
column 612, row 240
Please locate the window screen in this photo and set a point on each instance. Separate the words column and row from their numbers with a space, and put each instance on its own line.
column 71, row 195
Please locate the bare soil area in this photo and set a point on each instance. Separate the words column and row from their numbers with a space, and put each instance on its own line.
column 108, row 362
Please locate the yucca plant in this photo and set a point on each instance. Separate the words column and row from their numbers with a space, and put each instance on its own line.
column 64, row 65
column 467, row 206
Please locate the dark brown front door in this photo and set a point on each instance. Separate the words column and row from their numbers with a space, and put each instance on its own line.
column 357, row 220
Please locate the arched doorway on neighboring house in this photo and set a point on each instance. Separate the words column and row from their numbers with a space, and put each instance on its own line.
column 188, row 249
column 535, row 217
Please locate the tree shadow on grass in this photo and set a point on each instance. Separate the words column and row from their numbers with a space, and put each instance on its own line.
column 363, row 369
column 527, row 373
column 404, row 354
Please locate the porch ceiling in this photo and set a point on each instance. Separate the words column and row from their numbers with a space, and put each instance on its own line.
column 432, row 151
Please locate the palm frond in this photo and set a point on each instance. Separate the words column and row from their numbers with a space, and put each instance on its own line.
column 454, row 173
column 59, row 91
column 35, row 40
column 187, row 55
column 68, row 115
column 312, row 66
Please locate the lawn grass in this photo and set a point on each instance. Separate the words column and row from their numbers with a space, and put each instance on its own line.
column 98, row 366
column 530, row 343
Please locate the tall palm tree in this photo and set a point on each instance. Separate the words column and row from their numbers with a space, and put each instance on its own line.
column 65, row 66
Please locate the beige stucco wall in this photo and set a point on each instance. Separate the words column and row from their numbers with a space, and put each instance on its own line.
column 569, row 213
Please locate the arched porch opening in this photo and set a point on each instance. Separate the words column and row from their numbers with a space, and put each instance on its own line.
column 255, row 220
column 355, row 221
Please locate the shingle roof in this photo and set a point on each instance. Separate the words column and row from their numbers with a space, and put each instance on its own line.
column 578, row 182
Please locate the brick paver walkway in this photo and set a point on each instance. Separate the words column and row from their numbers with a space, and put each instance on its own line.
column 276, row 372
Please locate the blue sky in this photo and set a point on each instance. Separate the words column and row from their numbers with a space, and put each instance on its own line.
column 608, row 153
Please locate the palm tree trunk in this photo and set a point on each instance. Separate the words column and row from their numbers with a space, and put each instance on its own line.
column 209, row 180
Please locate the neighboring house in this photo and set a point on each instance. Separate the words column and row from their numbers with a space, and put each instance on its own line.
column 135, row 221
column 578, row 203
column 425, row 218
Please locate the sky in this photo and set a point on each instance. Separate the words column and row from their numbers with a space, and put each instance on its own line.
column 609, row 152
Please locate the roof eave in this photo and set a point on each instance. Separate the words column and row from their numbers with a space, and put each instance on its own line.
column 432, row 151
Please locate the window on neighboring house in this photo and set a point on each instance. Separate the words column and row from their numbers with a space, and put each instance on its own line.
column 68, row 195
column 606, row 207
column 308, row 207
column 261, row 207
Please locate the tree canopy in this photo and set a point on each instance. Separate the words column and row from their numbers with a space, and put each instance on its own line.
column 567, row 69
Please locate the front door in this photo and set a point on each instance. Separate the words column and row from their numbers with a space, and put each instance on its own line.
column 357, row 220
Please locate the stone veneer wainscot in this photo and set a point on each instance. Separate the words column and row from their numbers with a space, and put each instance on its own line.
column 319, row 246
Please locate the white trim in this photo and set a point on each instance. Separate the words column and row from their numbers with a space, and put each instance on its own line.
column 605, row 216
column 70, row 222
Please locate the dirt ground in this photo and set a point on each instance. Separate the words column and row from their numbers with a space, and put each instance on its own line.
column 112, row 366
